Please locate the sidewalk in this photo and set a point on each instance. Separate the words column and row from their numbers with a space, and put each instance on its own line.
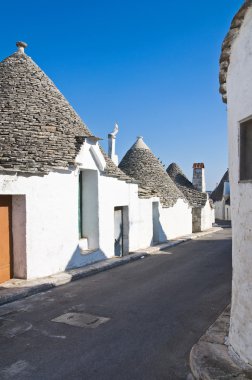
column 211, row 357
column 16, row 289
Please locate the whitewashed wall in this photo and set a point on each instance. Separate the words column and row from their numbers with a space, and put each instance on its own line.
column 173, row 222
column 228, row 212
column 176, row 221
column 207, row 216
column 219, row 210
column 45, row 217
column 239, row 93
column 51, row 217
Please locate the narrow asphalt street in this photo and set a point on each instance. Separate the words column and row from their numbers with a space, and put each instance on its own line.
column 155, row 309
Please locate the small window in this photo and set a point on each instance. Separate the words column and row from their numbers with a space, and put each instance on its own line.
column 246, row 150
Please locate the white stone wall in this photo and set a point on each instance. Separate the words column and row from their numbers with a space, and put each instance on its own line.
column 207, row 214
column 45, row 217
column 175, row 221
column 227, row 212
column 219, row 210
column 51, row 217
column 239, row 93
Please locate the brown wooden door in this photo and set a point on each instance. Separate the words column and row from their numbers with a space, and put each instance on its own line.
column 5, row 238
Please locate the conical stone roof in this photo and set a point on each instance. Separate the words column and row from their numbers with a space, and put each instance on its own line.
column 39, row 130
column 194, row 197
column 217, row 194
column 141, row 164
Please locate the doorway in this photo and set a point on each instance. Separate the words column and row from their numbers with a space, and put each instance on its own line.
column 118, row 231
column 6, row 259
column 155, row 223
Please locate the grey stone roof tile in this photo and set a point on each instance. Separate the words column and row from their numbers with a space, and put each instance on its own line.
column 141, row 164
column 194, row 197
column 217, row 194
column 39, row 130
column 232, row 34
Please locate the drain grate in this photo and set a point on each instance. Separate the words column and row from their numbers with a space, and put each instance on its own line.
column 81, row 320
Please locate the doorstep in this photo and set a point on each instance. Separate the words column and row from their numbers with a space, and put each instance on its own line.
column 16, row 289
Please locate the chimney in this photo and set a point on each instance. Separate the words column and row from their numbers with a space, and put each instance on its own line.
column 199, row 181
column 111, row 145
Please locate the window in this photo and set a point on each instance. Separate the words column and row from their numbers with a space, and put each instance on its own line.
column 246, row 150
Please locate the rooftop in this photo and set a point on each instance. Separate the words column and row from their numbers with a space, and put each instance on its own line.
column 141, row 164
column 232, row 34
column 39, row 129
column 194, row 197
column 217, row 194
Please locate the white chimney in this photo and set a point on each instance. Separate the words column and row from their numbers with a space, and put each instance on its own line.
column 199, row 181
column 111, row 144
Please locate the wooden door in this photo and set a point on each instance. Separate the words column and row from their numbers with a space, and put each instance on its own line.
column 118, row 231
column 5, row 238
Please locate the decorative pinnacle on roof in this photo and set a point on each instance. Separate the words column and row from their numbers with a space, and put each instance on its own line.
column 141, row 164
column 140, row 144
column 21, row 46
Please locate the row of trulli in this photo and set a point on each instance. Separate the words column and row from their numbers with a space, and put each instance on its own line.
column 63, row 202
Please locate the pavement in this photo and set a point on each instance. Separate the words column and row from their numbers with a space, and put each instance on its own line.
column 16, row 289
column 136, row 321
column 212, row 358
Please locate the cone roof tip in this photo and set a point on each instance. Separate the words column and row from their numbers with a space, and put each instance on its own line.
column 21, row 44
column 139, row 144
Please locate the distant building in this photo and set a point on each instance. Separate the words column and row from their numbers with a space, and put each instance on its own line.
column 202, row 208
column 221, row 199
column 236, row 90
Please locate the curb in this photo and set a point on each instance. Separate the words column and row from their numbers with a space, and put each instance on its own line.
column 212, row 358
column 14, row 290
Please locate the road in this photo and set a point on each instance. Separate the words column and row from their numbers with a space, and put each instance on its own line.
column 156, row 309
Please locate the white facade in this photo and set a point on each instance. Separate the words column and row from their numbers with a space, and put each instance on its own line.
column 45, row 210
column 207, row 216
column 239, row 95
column 222, row 210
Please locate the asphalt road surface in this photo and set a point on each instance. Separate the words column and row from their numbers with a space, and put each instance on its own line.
column 135, row 322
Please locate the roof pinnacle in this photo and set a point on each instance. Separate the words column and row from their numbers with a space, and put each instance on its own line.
column 21, row 46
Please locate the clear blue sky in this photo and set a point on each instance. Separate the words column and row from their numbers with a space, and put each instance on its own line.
column 150, row 65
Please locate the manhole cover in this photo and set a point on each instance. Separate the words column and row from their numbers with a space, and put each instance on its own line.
column 81, row 320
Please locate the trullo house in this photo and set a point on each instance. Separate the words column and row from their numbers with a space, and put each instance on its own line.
column 202, row 208
column 221, row 199
column 63, row 202
column 171, row 212
column 236, row 90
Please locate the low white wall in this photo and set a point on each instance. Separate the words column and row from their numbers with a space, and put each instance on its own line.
column 227, row 212
column 219, row 210
column 175, row 221
column 206, row 217
column 239, row 93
